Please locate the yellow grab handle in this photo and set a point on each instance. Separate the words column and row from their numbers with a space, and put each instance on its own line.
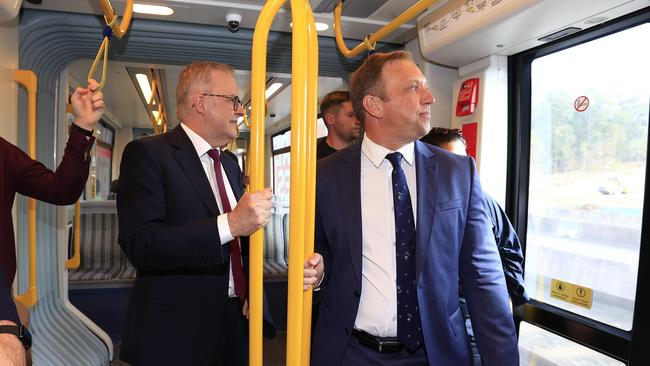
column 256, row 166
column 75, row 261
column 103, row 49
column 120, row 29
column 310, row 194
column 28, row 80
column 117, row 30
column 369, row 42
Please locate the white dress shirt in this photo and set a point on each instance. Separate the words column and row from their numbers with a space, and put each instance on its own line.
column 377, row 312
column 225, row 236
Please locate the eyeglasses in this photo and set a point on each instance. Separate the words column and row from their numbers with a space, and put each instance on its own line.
column 236, row 102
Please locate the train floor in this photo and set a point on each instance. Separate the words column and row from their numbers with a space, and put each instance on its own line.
column 274, row 352
column 106, row 305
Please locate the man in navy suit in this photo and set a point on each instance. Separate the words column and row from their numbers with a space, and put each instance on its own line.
column 189, row 304
column 393, row 242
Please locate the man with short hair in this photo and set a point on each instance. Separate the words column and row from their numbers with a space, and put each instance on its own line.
column 184, row 222
column 342, row 124
column 393, row 242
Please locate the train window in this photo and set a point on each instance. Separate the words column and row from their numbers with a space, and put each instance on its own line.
column 543, row 348
column 281, row 152
column 588, row 144
column 322, row 128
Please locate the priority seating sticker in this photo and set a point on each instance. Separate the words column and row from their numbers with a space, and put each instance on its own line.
column 572, row 293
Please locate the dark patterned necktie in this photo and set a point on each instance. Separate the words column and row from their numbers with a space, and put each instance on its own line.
column 235, row 249
column 409, row 329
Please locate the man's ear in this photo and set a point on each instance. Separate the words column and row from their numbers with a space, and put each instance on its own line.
column 199, row 105
column 372, row 106
column 328, row 118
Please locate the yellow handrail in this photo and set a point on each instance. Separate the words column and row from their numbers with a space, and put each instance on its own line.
column 303, row 116
column 256, row 166
column 75, row 261
column 371, row 40
column 310, row 194
column 28, row 80
column 116, row 29
column 119, row 30
column 297, row 183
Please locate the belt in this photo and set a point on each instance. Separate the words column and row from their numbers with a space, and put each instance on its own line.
column 379, row 344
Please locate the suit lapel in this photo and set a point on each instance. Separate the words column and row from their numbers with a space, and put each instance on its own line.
column 350, row 196
column 426, row 175
column 186, row 157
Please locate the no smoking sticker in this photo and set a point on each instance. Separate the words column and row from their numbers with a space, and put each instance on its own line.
column 581, row 104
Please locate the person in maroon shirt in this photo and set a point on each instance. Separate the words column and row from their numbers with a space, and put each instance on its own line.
column 21, row 174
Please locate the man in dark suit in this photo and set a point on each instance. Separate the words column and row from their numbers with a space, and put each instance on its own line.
column 21, row 174
column 188, row 305
column 392, row 243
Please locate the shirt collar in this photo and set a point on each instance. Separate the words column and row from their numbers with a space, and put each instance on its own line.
column 376, row 153
column 200, row 145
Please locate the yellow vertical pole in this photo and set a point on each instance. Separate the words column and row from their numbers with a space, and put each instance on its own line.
column 300, row 118
column 27, row 78
column 303, row 152
column 256, row 161
column 75, row 261
column 310, row 194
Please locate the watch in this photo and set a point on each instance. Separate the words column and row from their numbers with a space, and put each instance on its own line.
column 19, row 331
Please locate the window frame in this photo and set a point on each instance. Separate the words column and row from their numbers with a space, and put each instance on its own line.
column 279, row 151
column 622, row 345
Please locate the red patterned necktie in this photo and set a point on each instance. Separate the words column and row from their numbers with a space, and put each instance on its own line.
column 235, row 248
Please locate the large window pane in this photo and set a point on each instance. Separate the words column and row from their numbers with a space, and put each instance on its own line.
column 587, row 170
column 542, row 348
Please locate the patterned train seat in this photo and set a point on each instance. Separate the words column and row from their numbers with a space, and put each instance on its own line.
column 102, row 258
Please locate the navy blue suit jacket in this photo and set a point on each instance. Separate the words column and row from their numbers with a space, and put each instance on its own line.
column 512, row 257
column 168, row 230
column 453, row 241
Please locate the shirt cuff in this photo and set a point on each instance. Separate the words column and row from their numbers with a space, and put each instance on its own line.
column 320, row 282
column 224, row 229
column 84, row 131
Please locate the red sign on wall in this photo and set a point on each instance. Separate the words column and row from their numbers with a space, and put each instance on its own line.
column 470, row 133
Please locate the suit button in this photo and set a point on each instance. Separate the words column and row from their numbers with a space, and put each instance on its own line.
column 347, row 331
column 357, row 293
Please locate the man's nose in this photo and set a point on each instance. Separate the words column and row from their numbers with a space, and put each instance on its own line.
column 427, row 97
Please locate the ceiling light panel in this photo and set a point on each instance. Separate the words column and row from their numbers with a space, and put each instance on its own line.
column 152, row 9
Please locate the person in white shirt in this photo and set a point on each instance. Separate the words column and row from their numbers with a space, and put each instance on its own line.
column 184, row 220
column 393, row 241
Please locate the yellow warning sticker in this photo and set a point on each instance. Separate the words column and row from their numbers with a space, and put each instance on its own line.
column 572, row 293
